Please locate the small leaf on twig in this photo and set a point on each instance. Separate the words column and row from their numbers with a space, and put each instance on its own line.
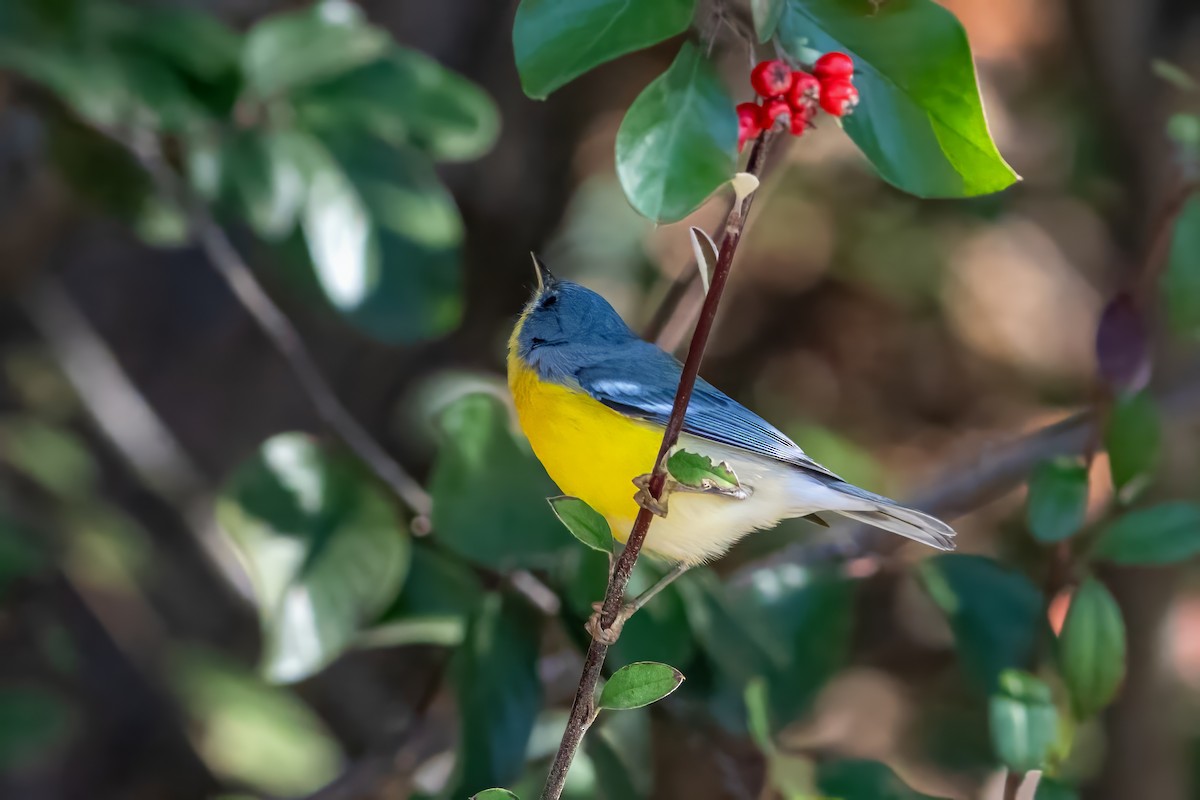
column 694, row 471
column 1024, row 721
column 705, row 252
column 639, row 684
column 1132, row 439
column 1091, row 648
column 1058, row 492
column 584, row 522
column 495, row 794
column 1163, row 534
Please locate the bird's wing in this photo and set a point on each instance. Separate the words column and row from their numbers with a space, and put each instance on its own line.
column 640, row 382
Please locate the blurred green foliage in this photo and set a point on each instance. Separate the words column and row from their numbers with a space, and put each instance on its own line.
column 314, row 131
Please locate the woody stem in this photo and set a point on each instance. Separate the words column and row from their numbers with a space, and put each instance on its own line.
column 583, row 709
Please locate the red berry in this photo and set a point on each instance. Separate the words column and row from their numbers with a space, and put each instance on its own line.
column 839, row 97
column 834, row 66
column 771, row 78
column 805, row 91
column 798, row 124
column 772, row 110
column 748, row 123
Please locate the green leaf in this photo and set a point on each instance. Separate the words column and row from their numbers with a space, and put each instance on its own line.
column 489, row 491
column 1050, row 789
column 270, row 739
column 621, row 750
column 495, row 794
column 696, row 471
column 758, row 715
column 677, row 143
column 639, row 684
column 406, row 99
column 1181, row 283
column 921, row 121
column 1091, row 649
column 1132, row 440
column 1023, row 721
column 995, row 612
column 196, row 43
column 322, row 545
column 808, row 615
column 269, row 173
column 555, row 43
column 384, row 237
column 766, row 14
column 1162, row 534
column 854, row 779
column 34, row 723
column 435, row 606
column 1057, row 503
column 584, row 522
column 286, row 51
column 498, row 694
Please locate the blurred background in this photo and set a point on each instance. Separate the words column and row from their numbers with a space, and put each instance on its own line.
column 901, row 342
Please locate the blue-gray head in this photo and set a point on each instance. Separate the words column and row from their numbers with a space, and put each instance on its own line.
column 566, row 326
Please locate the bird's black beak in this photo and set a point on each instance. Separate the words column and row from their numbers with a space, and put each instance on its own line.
column 545, row 277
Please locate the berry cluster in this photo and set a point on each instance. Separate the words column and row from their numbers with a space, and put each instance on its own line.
column 794, row 95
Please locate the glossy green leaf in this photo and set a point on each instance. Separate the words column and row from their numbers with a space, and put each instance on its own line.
column 384, row 237
column 406, row 99
column 697, row 471
column 677, row 143
column 556, row 42
column 1164, row 534
column 270, row 739
column 1051, row 789
column 854, row 779
column 288, row 50
column 1181, row 283
column 1023, row 721
column 495, row 794
column 808, row 616
column 1133, row 439
column 639, row 684
column 269, row 174
column 766, row 14
column 195, row 42
column 1091, row 648
column 489, row 491
column 920, row 120
column 994, row 611
column 437, row 602
column 584, row 523
column 1057, row 502
column 322, row 545
column 621, row 750
column 498, row 694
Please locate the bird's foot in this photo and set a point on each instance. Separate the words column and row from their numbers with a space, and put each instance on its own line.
column 643, row 498
column 608, row 636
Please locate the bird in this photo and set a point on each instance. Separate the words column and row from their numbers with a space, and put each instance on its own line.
column 593, row 399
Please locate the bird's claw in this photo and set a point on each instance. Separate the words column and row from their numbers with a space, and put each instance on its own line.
column 643, row 498
column 607, row 636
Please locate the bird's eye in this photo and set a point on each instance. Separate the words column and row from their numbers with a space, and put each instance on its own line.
column 549, row 301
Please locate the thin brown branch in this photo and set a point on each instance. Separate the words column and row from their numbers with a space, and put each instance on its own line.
column 225, row 258
column 970, row 483
column 583, row 710
column 1012, row 782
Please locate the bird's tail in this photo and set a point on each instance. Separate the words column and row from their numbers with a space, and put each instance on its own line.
column 882, row 512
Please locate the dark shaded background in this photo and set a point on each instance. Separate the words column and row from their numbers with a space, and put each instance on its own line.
column 892, row 337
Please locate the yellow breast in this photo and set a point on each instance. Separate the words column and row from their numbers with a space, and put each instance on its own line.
column 589, row 450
